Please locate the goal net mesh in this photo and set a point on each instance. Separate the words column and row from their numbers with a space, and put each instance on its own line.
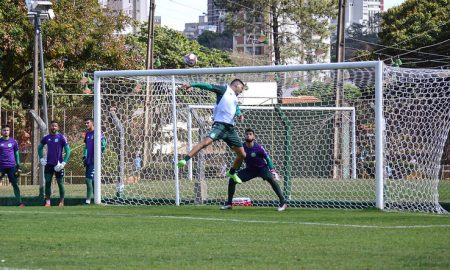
column 321, row 162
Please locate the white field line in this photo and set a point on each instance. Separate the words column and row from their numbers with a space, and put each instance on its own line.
column 9, row 268
column 305, row 223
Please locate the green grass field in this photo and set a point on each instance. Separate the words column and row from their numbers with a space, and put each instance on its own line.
column 203, row 237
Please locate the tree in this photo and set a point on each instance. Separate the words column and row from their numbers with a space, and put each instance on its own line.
column 299, row 29
column 171, row 46
column 81, row 38
column 221, row 41
column 15, row 48
column 417, row 32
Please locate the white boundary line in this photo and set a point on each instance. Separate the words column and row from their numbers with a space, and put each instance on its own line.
column 237, row 220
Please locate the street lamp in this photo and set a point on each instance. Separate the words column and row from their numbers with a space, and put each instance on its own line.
column 38, row 10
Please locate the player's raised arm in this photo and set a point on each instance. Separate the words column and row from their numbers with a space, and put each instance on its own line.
column 218, row 89
column 239, row 113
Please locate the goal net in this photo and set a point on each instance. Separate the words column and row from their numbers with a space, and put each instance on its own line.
column 351, row 135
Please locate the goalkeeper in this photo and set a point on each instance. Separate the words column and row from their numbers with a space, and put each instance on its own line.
column 225, row 110
column 10, row 161
column 258, row 164
column 54, row 163
column 88, row 156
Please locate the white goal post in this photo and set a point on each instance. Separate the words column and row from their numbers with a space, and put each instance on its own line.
column 353, row 136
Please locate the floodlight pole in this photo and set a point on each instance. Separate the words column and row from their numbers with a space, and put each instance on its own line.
column 41, row 52
column 37, row 172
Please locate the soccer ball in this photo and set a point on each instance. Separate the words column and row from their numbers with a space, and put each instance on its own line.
column 190, row 59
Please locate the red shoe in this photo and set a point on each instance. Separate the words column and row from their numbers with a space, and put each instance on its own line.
column 21, row 205
column 47, row 205
column 61, row 204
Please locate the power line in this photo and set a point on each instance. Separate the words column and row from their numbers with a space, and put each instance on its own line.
column 427, row 46
column 249, row 8
column 408, row 39
column 390, row 47
column 424, row 61
column 184, row 5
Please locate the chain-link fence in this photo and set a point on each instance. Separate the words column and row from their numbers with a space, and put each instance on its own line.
column 71, row 123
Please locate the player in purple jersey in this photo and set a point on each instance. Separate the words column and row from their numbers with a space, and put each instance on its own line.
column 54, row 163
column 10, row 161
column 257, row 164
column 88, row 156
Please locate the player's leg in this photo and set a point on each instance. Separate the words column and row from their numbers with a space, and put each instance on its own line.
column 60, row 180
column 203, row 144
column 245, row 175
column 267, row 175
column 48, row 175
column 89, row 183
column 13, row 180
column 233, row 140
column 216, row 133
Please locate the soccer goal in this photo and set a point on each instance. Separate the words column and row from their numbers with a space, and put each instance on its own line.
column 342, row 135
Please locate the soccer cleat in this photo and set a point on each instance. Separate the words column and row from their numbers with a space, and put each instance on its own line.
column 282, row 207
column 226, row 207
column 21, row 205
column 234, row 177
column 181, row 163
column 47, row 205
column 61, row 204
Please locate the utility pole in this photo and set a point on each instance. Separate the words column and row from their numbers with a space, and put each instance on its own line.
column 338, row 124
column 148, row 119
column 340, row 41
column 35, row 162
column 151, row 31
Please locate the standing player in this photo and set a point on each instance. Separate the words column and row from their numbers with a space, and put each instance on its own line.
column 54, row 163
column 88, row 156
column 10, row 161
column 225, row 109
column 258, row 164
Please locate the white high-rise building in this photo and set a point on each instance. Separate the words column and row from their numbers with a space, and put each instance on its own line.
column 362, row 11
column 136, row 9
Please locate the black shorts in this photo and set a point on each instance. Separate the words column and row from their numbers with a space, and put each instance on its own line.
column 50, row 169
column 250, row 173
column 11, row 172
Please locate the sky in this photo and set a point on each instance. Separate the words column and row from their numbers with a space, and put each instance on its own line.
column 175, row 13
column 392, row 3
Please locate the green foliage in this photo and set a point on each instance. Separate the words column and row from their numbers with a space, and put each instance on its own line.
column 416, row 24
column 222, row 41
column 310, row 18
column 325, row 91
column 82, row 39
column 171, row 46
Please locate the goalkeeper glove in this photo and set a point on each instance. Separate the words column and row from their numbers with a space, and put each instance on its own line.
column 43, row 161
column 60, row 166
column 275, row 175
column 18, row 171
